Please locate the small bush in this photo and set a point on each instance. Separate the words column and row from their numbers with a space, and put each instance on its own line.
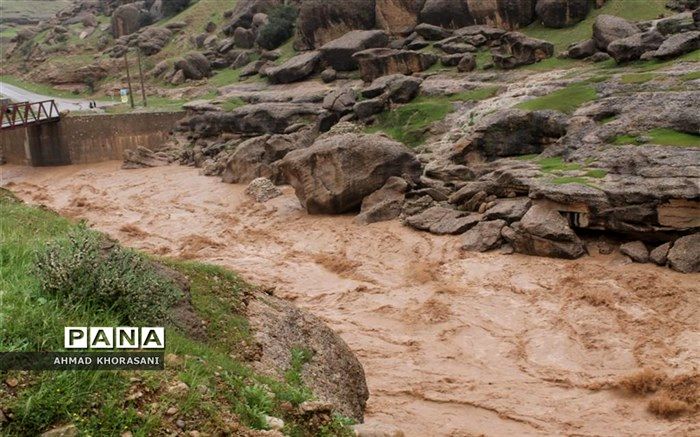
column 86, row 267
column 279, row 28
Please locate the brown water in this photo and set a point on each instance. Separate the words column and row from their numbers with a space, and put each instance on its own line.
column 452, row 343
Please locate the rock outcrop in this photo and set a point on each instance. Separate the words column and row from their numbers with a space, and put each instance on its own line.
column 608, row 28
column 562, row 13
column 333, row 373
column 295, row 69
column 684, row 255
column 379, row 62
column 320, row 21
column 459, row 13
column 338, row 53
column 337, row 172
column 511, row 132
column 518, row 49
column 544, row 232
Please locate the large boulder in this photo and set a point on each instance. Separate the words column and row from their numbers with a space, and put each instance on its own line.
column 333, row 373
column 338, row 53
column 509, row 210
column 321, row 21
column 684, row 255
column 562, row 13
column 636, row 251
column 544, row 232
column 152, row 39
column 678, row 44
column 676, row 23
column 486, row 235
column 519, row 49
column 507, row 14
column 511, row 132
column 399, row 88
column 255, row 157
column 244, row 38
column 379, row 62
column 295, row 69
column 385, row 203
column 431, row 32
column 255, row 119
column 396, row 16
column 126, row 19
column 337, row 172
column 632, row 47
column 194, row 66
column 582, row 49
column 608, row 28
column 440, row 220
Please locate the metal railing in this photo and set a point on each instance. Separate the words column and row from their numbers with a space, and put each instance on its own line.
column 22, row 114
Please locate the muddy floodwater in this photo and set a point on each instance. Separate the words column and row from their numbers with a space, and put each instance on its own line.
column 453, row 343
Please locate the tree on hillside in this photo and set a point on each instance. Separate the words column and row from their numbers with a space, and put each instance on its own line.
column 279, row 28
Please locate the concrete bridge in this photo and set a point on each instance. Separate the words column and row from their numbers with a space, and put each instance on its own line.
column 81, row 139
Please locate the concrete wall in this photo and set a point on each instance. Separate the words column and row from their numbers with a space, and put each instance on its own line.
column 86, row 138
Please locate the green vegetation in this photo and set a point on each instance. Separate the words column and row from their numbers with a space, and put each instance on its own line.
column 566, row 100
column 77, row 267
column 694, row 75
column 233, row 103
column 637, row 77
column 562, row 38
column 563, row 180
column 663, row 137
column 286, row 51
column 597, row 173
column 556, row 164
column 279, row 28
column 409, row 123
column 220, row 391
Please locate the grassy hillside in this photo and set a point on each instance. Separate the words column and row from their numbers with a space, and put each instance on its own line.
column 207, row 385
column 630, row 9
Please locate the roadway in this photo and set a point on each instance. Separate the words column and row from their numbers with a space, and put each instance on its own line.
column 21, row 95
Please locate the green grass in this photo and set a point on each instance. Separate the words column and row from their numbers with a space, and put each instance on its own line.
column 663, row 137
column 226, row 76
column 566, row 100
column 631, row 10
column 98, row 403
column 286, row 51
column 694, row 75
column 597, row 173
column 233, row 103
column 409, row 123
column 637, row 78
column 556, row 164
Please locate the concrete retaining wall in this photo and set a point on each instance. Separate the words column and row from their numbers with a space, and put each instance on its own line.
column 86, row 138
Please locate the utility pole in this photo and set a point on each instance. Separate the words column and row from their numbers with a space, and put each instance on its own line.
column 128, row 78
column 143, row 90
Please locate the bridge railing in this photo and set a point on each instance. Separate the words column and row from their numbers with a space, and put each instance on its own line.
column 25, row 113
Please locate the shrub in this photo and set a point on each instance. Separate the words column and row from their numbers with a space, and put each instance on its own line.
column 87, row 267
column 279, row 28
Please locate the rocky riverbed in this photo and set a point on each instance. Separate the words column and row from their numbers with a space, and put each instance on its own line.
column 452, row 342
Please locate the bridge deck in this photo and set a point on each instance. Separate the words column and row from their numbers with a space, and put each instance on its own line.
column 22, row 114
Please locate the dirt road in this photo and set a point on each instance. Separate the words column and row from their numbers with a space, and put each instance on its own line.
column 452, row 343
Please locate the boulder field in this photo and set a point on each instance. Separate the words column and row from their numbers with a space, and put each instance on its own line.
column 540, row 164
